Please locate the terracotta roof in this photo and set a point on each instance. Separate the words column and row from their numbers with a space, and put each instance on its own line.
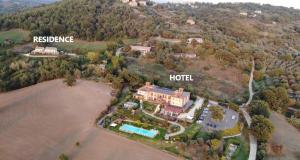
column 173, row 109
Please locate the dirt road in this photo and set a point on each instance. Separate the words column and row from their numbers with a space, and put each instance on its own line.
column 47, row 119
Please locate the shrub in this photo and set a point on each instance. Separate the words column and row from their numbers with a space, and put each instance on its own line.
column 261, row 128
column 259, row 107
column 295, row 122
column 63, row 157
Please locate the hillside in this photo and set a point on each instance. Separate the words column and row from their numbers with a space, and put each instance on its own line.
column 9, row 6
column 272, row 37
column 267, row 33
column 98, row 20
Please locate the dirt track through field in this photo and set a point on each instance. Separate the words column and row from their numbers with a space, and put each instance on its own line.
column 42, row 121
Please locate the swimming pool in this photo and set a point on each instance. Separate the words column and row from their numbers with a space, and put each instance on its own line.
column 140, row 131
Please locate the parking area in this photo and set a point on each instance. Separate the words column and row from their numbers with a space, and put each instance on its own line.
column 230, row 119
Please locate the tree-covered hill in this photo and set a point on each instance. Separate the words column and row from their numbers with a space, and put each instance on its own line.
column 84, row 19
column 9, row 6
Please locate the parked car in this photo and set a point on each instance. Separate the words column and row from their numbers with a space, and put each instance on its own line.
column 201, row 118
column 199, row 121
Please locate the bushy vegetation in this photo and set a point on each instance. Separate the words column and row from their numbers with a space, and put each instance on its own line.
column 261, row 128
column 17, row 72
column 294, row 121
column 233, row 131
column 216, row 112
column 277, row 98
column 259, row 107
column 98, row 20
column 242, row 150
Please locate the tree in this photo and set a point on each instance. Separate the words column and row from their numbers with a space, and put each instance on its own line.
column 93, row 57
column 63, row 157
column 70, row 79
column 259, row 107
column 216, row 112
column 194, row 43
column 111, row 46
column 261, row 128
column 126, row 48
column 234, row 106
column 277, row 98
column 258, row 75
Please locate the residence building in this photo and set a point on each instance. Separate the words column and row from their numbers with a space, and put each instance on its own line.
column 45, row 51
column 185, row 55
column 198, row 40
column 258, row 11
column 244, row 13
column 190, row 21
column 133, row 3
column 144, row 50
column 142, row 3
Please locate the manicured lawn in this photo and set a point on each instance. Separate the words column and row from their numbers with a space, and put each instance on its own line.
column 16, row 35
column 192, row 130
column 149, row 107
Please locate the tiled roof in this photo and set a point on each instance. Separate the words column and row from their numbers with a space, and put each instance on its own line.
column 173, row 109
column 162, row 90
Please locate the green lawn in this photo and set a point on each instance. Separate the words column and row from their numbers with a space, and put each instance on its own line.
column 16, row 35
column 149, row 107
column 242, row 151
column 80, row 46
column 192, row 130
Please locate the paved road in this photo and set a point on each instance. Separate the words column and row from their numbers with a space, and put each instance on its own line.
column 252, row 139
column 181, row 130
column 190, row 115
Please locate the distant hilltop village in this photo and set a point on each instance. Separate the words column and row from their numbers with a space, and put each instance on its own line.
column 135, row 3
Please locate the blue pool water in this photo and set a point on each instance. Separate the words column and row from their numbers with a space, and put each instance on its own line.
column 140, row 131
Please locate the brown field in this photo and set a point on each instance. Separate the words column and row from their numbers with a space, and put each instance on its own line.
column 286, row 135
column 45, row 120
column 228, row 74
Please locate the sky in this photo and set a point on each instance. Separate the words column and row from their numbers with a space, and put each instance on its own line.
column 286, row 3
